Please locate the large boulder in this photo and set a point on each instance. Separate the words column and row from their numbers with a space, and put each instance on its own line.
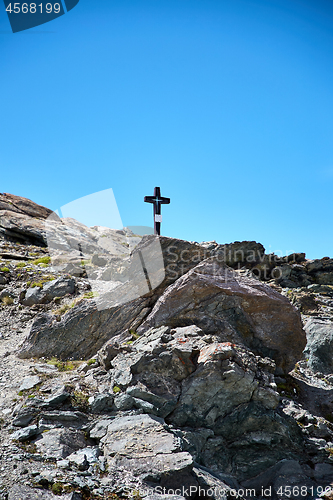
column 237, row 309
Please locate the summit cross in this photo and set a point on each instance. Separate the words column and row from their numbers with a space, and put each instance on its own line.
column 157, row 201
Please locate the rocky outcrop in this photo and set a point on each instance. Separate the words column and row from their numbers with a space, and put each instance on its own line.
column 219, row 390
column 23, row 206
column 22, row 219
column 85, row 328
column 235, row 308
column 184, row 391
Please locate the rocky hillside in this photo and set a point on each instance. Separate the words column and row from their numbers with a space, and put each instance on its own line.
column 159, row 368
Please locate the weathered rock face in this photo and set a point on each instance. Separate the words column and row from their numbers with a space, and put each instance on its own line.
column 59, row 443
column 319, row 348
column 237, row 309
column 239, row 253
column 220, row 397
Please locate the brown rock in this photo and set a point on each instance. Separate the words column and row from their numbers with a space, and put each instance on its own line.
column 22, row 219
column 24, row 206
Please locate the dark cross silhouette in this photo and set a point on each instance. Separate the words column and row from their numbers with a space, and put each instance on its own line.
column 157, row 200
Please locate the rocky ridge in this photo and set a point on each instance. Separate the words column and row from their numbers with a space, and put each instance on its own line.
column 174, row 386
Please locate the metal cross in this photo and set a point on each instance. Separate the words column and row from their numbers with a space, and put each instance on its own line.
column 157, row 200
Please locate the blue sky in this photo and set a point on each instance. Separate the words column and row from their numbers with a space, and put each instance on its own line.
column 225, row 104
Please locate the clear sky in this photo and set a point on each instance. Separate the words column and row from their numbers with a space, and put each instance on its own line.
column 227, row 105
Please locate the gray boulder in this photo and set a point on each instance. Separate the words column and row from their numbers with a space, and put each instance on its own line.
column 319, row 348
column 102, row 403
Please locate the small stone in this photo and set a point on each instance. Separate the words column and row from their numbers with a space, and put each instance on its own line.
column 3, row 280
column 79, row 459
column 77, row 481
column 123, row 402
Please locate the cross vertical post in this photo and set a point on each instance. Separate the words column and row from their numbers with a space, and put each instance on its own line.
column 157, row 200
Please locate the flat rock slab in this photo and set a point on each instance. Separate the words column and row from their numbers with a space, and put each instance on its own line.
column 141, row 444
column 154, row 468
column 139, row 436
column 29, row 383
